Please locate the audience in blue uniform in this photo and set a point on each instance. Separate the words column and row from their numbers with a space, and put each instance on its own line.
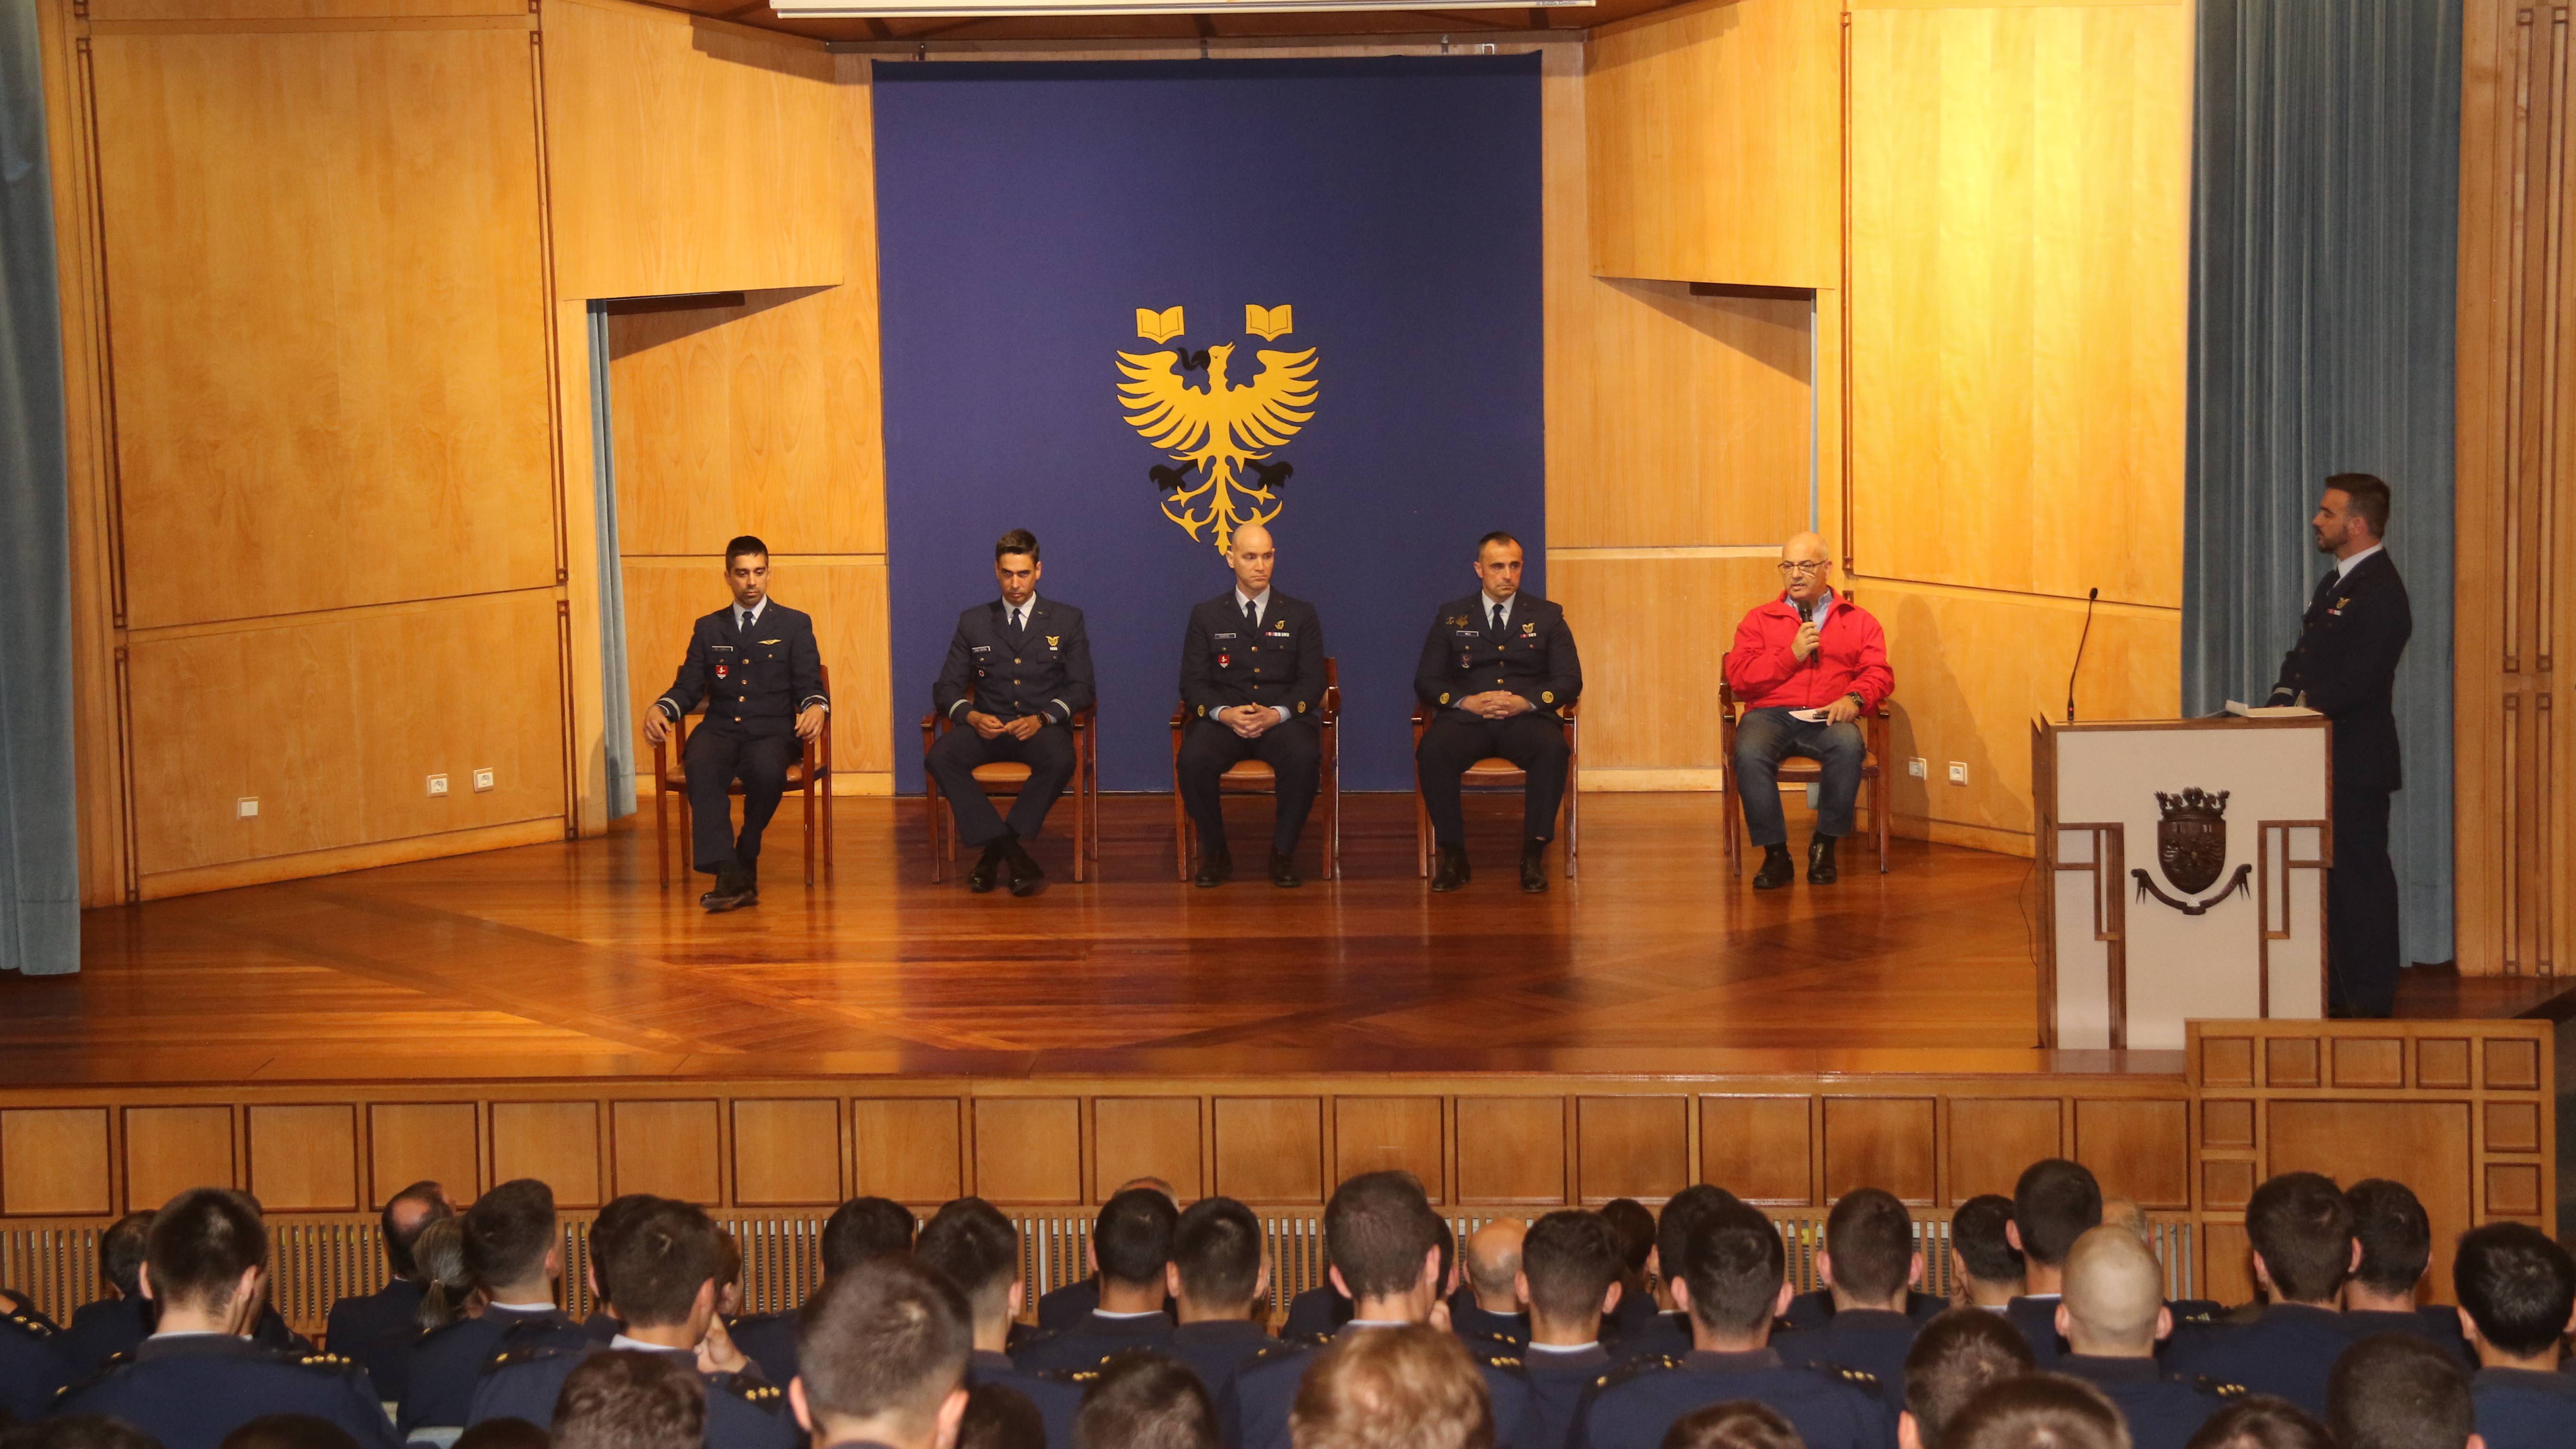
column 1144, row 1400
column 2396, row 1391
column 2054, row 1203
column 1218, row 1281
column 2396, row 1237
column 1986, row 1269
column 2300, row 1226
column 1953, row 1359
column 1572, row 1274
column 977, row 1250
column 2111, row 1314
column 2517, row 1292
column 1131, row 1247
column 1869, row 1266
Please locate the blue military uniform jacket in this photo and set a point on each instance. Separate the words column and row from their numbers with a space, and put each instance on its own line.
column 448, row 1362
column 2163, row 1411
column 1665, row 1335
column 2345, row 668
column 2437, row 1326
column 375, row 1330
column 2037, row 1320
column 101, row 1330
column 1633, row 1405
column 1058, row 1399
column 1062, row 1308
column 2289, row 1351
column 1316, row 1313
column 1215, row 1351
column 1091, row 1340
column 190, row 1390
column 1226, row 662
column 2525, row 1409
column 743, row 1410
column 1533, row 657
column 1475, row 1324
column 1558, row 1382
column 754, row 681
column 1043, row 670
column 769, row 1340
column 1815, row 1308
column 32, row 1367
column 1871, row 1340
column 1254, row 1413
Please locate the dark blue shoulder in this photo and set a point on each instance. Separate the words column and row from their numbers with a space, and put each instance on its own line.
column 1644, row 1365
column 28, row 1322
column 316, row 1361
column 757, row 1392
column 110, row 1367
column 1860, row 1379
column 2215, row 1388
column 1070, row 616
column 517, row 1353
column 1286, row 1350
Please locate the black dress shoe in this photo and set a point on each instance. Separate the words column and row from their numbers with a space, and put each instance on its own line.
column 1776, row 869
column 1452, row 870
column 1216, row 867
column 1820, row 861
column 980, row 879
column 1027, row 879
column 1283, row 870
column 734, row 890
column 1533, row 866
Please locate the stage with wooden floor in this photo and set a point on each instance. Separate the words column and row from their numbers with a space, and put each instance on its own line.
column 553, row 1011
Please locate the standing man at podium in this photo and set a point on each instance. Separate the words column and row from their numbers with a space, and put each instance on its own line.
column 2345, row 668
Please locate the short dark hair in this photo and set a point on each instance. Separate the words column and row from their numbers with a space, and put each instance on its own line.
column 1147, row 1401
column 202, row 1241
column 1977, row 1235
column 398, row 1240
column 1734, row 1424
column 1000, row 1417
column 2369, row 495
column 1018, row 540
column 1871, row 1237
column 2261, row 1422
column 2302, row 1225
column 508, row 1232
column 2396, row 1235
column 120, row 1252
column 612, row 1218
column 1132, row 1236
column 288, row 1431
column 1216, row 1245
column 2054, row 1203
column 1495, row 537
column 1571, row 1257
column 504, row 1433
column 2518, row 1286
column 744, row 543
column 889, row 1337
column 1377, row 1229
column 658, row 1260
column 628, row 1399
column 75, row 1431
column 1636, row 1229
column 977, row 1249
column 864, row 1227
column 1956, row 1355
column 1733, row 1264
column 1682, row 1211
column 2034, row 1409
column 2396, row 1391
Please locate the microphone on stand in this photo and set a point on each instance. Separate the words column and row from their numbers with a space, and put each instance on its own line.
column 2089, row 596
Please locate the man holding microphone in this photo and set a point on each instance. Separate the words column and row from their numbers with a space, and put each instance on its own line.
column 1805, row 665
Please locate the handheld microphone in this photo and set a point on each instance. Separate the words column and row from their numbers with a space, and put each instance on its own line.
column 2089, row 596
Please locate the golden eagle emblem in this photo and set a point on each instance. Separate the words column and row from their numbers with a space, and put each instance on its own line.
column 1220, row 437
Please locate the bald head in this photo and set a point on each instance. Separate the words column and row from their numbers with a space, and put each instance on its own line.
column 1251, row 555
column 2115, row 1299
column 1494, row 1262
column 1809, row 583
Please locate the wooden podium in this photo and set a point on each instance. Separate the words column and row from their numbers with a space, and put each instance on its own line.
column 2182, row 870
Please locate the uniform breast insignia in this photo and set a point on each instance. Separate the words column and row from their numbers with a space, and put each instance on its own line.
column 1053, row 640
column 1529, row 628
column 773, row 641
column 1547, row 696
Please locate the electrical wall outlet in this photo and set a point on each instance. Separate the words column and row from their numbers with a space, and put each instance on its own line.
column 246, row 807
column 1958, row 772
column 482, row 780
column 438, row 784
column 1919, row 767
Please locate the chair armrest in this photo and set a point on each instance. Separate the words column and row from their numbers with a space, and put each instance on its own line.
column 1180, row 714
column 1331, row 713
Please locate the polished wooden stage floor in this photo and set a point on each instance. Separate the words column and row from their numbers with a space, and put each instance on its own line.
column 569, row 960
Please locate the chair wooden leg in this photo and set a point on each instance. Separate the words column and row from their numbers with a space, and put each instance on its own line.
column 1333, row 817
column 1878, row 808
column 828, row 793
column 930, row 804
column 688, row 837
column 662, row 830
column 1573, row 818
column 809, row 832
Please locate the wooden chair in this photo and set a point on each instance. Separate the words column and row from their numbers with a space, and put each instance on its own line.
column 1799, row 770
column 810, row 776
column 1002, row 781
column 1255, row 777
column 1496, row 773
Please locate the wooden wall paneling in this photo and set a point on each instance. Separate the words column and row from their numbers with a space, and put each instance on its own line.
column 669, row 1149
column 1631, row 1147
column 1270, row 1149
column 1374, row 1134
column 410, row 1142
column 1884, row 1142
column 846, row 596
column 1029, row 1150
column 907, row 1148
column 2139, row 1150
column 169, row 1149
column 53, row 1160
column 1511, row 1150
column 1991, row 1141
column 556, row 1141
column 114, row 12
column 1135, row 1137
column 1633, row 616
column 787, row 1152
column 2426, row 1145
column 304, row 1158
column 1757, row 1147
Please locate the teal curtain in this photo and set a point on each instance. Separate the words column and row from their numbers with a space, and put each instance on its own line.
column 39, row 819
column 2325, row 218
column 614, row 712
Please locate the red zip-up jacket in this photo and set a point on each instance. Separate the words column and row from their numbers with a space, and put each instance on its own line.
column 1851, row 659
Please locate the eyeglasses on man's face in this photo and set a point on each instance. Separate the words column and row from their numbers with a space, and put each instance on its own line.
column 1801, row 566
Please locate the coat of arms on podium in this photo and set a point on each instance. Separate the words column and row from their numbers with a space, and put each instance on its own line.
column 2191, row 844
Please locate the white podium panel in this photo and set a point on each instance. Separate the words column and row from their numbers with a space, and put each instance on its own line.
column 2183, row 866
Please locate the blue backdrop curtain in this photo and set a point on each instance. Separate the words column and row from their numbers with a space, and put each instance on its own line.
column 39, row 826
column 2324, row 243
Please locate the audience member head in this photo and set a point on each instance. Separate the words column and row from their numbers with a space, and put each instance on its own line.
column 2396, row 1237
column 1398, row 1388
column 664, row 1268
column 2301, row 1228
column 1493, row 1264
column 2261, row 1422
column 613, row 1217
column 2127, row 1213
column 1145, row 1401
column 2115, row 1296
column 1217, row 1272
column 1383, row 1242
column 504, row 1433
column 1681, row 1212
column 1571, row 1263
column 288, row 1431
column 1131, row 1242
column 1732, row 1279
column 512, row 1248
column 120, row 1253
column 2038, row 1411
column 863, row 1227
column 206, row 1261
column 881, row 1355
column 2054, row 1203
column 1734, row 1424
column 1953, row 1359
column 1869, row 1259
column 2397, row 1391
column 977, row 1250
column 76, row 1431
column 2517, row 1292
column 630, row 1400
column 1636, row 1229
column 1987, row 1262
column 1000, row 1417
column 405, row 1214
column 438, row 1254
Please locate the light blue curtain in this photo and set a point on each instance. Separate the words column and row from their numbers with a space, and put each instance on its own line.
column 39, row 815
column 615, row 716
column 2325, row 221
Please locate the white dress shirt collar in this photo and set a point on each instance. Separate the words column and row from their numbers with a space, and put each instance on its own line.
column 1491, row 603
column 1259, row 602
column 2345, row 566
column 755, row 611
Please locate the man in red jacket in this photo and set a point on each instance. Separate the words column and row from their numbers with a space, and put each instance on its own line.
column 1805, row 665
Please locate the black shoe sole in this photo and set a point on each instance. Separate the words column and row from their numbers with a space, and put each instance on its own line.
column 1760, row 884
column 722, row 904
column 1023, row 889
column 1815, row 879
column 1287, row 882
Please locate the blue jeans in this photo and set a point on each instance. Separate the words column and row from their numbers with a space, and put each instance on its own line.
column 1768, row 736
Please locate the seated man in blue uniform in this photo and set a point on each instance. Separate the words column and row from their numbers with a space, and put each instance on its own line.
column 883, row 1349
column 2517, row 1292
column 1953, row 1359
column 376, row 1330
column 199, row 1376
column 1141, row 1399
column 1500, row 669
column 2396, row 1237
column 971, row 1246
column 1018, row 671
column 33, row 1368
column 114, row 1324
column 1217, row 1278
column 2111, row 1315
column 2395, row 1389
column 1382, row 1242
column 1252, row 679
column 1571, row 1262
column 1131, row 1246
column 1490, row 1307
column 858, row 1229
column 1869, row 1265
column 514, row 1253
column 1732, row 1285
column 661, row 1270
column 2300, row 1227
column 2055, row 1201
column 757, row 667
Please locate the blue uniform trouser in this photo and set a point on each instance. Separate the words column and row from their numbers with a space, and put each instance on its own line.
column 952, row 761
column 2361, row 908
column 1768, row 736
column 716, row 757
column 1291, row 748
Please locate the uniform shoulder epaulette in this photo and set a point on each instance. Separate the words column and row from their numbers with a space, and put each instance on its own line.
column 1638, row 1367
column 1857, row 1378
column 2218, row 1388
column 526, row 1353
column 1494, row 1351
column 318, row 1359
column 110, row 1365
column 759, row 1393
column 1286, row 1348
column 31, row 1324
